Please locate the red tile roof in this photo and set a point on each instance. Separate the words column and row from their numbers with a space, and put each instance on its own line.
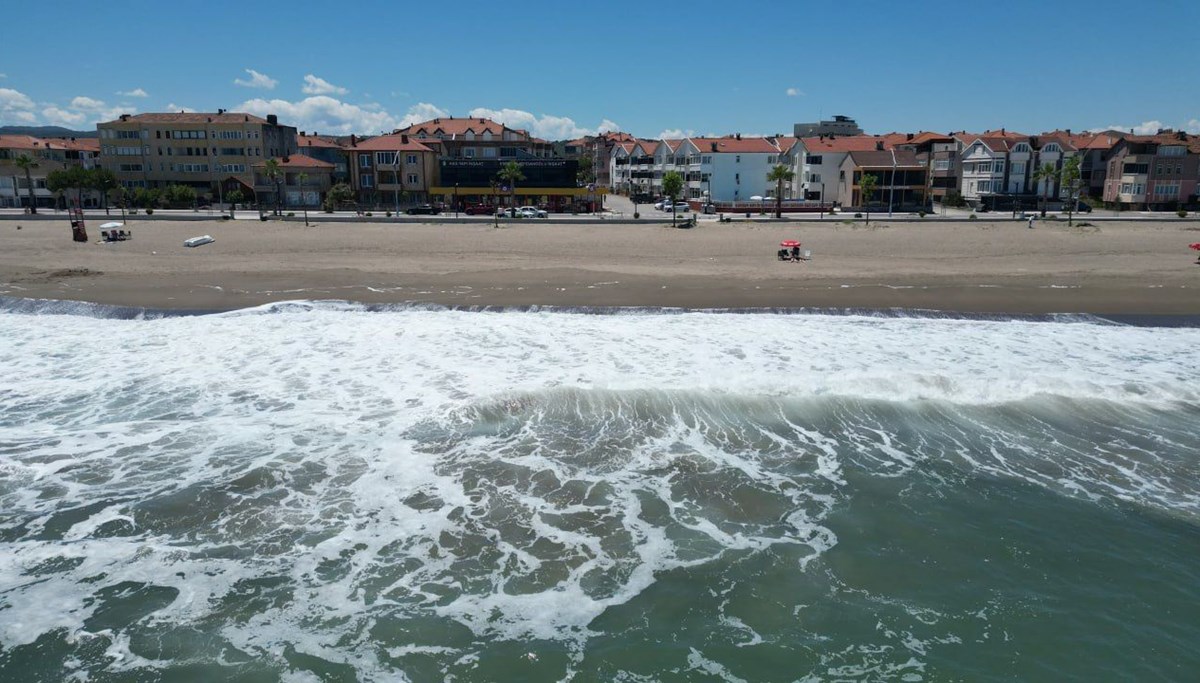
column 303, row 140
column 21, row 142
column 194, row 117
column 672, row 144
column 298, row 161
column 457, row 127
column 391, row 143
column 850, row 143
column 883, row 159
column 733, row 145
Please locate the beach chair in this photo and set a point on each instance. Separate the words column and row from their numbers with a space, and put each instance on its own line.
column 104, row 235
column 126, row 235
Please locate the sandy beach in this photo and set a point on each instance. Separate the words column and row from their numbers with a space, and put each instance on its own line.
column 968, row 266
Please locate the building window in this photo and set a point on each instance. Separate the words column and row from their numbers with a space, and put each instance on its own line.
column 814, row 159
column 1018, row 168
column 410, row 159
column 469, row 152
column 386, row 158
column 413, row 179
column 737, row 159
column 364, row 161
column 367, row 180
column 489, row 152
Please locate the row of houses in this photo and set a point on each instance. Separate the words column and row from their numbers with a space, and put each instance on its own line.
column 457, row 160
column 993, row 169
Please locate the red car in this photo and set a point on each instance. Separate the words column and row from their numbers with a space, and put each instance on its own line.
column 478, row 210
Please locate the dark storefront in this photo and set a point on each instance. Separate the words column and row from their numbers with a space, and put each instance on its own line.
column 549, row 183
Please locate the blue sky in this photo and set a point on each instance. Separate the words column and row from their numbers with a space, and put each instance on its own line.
column 563, row 69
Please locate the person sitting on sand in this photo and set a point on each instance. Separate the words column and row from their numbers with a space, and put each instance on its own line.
column 796, row 253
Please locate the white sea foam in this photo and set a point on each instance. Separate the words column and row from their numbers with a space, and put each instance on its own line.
column 517, row 474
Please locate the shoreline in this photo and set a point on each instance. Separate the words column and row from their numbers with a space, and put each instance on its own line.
column 1128, row 270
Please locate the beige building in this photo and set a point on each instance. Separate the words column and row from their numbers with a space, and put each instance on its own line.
column 303, row 181
column 193, row 149
column 393, row 170
column 49, row 154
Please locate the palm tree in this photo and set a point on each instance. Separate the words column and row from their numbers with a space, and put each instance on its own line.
column 672, row 184
column 273, row 173
column 866, row 188
column 779, row 175
column 25, row 162
column 510, row 174
column 1069, row 177
column 1048, row 174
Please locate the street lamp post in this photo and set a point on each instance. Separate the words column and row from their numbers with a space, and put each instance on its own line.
column 456, row 200
column 304, row 198
column 892, row 189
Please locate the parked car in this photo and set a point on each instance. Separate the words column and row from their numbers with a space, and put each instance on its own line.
column 479, row 210
column 426, row 209
column 532, row 212
column 663, row 205
column 680, row 207
column 507, row 212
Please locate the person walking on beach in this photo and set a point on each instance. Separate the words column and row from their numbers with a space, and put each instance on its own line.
column 1031, row 222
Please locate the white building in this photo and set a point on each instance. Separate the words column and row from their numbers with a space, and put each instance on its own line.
column 731, row 169
column 817, row 162
column 999, row 163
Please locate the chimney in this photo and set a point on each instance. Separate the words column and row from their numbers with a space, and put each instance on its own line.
column 220, row 111
column 737, row 136
column 124, row 117
column 879, row 145
column 1002, row 132
column 302, row 134
column 403, row 139
column 210, row 119
column 909, row 136
column 285, row 159
column 1068, row 131
column 273, row 119
column 714, row 146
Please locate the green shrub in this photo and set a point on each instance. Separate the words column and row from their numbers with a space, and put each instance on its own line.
column 291, row 214
column 1182, row 213
column 388, row 213
column 972, row 217
column 149, row 211
column 636, row 214
column 921, row 214
column 368, row 214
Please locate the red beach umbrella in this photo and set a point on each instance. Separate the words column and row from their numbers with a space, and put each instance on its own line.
column 794, row 243
column 1195, row 246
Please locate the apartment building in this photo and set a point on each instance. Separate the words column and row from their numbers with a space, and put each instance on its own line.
column 396, row 169
column 198, row 150
column 999, row 168
column 328, row 149
column 900, row 179
column 619, row 167
column 478, row 138
column 303, row 182
column 817, row 162
column 836, row 127
column 641, row 168
column 1154, row 172
column 49, row 154
column 727, row 169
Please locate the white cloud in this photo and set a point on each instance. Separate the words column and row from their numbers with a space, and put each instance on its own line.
column 793, row 92
column 257, row 80
column 13, row 100
column 3, row 75
column 61, row 117
column 607, row 126
column 1192, row 126
column 1144, row 128
column 319, row 86
column 323, row 113
column 545, row 126
column 675, row 134
column 421, row 111
column 172, row 107
column 136, row 92
column 87, row 103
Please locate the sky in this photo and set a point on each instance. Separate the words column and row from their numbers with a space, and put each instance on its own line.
column 562, row 69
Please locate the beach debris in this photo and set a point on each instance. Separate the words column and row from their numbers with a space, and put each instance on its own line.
column 198, row 241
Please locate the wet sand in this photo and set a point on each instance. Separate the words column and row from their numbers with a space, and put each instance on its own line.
column 970, row 267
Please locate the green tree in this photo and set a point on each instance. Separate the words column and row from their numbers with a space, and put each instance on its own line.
column 1069, row 177
column 340, row 194
column 672, row 184
column 511, row 174
column 25, row 163
column 179, row 196
column 234, row 198
column 274, row 173
column 779, row 175
column 147, row 198
column 1048, row 174
column 103, row 181
column 866, row 188
column 70, row 178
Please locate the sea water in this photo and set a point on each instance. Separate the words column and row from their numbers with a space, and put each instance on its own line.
column 321, row 492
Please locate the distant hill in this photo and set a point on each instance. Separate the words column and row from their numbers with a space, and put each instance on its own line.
column 48, row 132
